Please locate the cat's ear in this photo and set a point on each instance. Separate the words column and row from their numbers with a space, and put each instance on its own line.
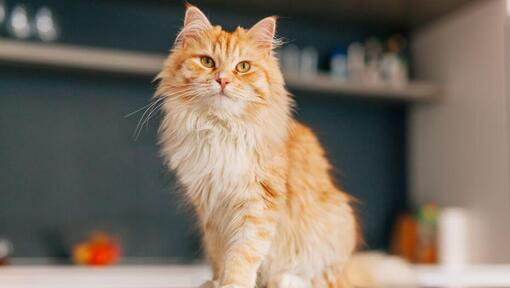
column 195, row 21
column 264, row 32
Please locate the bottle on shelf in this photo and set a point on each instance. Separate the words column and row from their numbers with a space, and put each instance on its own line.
column 290, row 55
column 309, row 61
column 19, row 25
column 356, row 62
column 373, row 52
column 3, row 15
column 46, row 25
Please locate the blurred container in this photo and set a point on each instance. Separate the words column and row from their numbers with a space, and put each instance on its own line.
column 404, row 238
column 5, row 251
column 394, row 70
column 46, row 25
column 338, row 64
column 426, row 248
column 309, row 61
column 393, row 63
column 356, row 62
column 452, row 238
column 3, row 15
column 373, row 53
column 290, row 58
column 19, row 25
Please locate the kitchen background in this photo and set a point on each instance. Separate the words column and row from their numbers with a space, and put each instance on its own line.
column 391, row 88
column 70, row 160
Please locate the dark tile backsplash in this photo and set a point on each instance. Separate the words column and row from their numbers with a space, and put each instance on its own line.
column 69, row 162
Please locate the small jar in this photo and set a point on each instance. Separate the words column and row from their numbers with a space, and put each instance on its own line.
column 5, row 251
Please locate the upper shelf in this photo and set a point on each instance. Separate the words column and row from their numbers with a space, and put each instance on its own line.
column 86, row 58
column 147, row 64
column 412, row 91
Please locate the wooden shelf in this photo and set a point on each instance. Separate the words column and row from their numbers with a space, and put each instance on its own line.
column 80, row 57
column 149, row 64
column 412, row 91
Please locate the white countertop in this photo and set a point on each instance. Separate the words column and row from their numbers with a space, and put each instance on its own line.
column 482, row 275
column 184, row 276
column 126, row 276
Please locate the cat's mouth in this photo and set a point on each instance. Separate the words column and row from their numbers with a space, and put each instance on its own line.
column 223, row 94
column 225, row 102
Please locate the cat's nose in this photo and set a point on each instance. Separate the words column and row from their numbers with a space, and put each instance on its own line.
column 223, row 81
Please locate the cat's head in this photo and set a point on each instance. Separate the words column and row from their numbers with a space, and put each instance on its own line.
column 214, row 70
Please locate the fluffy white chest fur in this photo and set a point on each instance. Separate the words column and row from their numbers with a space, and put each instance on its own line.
column 214, row 157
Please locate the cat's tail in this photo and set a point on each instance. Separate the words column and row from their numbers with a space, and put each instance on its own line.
column 374, row 269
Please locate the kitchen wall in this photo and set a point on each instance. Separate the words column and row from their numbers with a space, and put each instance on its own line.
column 459, row 149
column 69, row 162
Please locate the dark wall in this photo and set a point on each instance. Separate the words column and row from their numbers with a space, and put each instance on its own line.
column 69, row 162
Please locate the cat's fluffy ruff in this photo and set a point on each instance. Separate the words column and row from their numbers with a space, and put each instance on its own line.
column 258, row 180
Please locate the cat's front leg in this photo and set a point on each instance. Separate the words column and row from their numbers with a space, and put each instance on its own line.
column 210, row 284
column 251, row 233
column 214, row 284
column 287, row 280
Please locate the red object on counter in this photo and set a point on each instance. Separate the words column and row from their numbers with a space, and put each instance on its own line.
column 99, row 250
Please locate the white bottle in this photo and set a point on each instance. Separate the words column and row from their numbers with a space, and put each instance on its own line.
column 373, row 51
column 5, row 249
column 45, row 24
column 356, row 62
column 394, row 70
column 19, row 23
column 452, row 238
column 309, row 61
column 3, row 13
column 339, row 67
column 291, row 59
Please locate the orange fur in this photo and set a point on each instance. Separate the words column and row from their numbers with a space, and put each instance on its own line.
column 258, row 180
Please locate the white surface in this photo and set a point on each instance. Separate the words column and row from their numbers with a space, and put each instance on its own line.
column 183, row 276
column 137, row 63
column 147, row 276
column 486, row 276
column 459, row 148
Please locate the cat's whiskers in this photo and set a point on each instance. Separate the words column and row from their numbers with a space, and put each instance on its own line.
column 154, row 106
column 140, row 121
column 142, row 108
column 188, row 92
column 149, row 116
column 240, row 94
column 192, row 95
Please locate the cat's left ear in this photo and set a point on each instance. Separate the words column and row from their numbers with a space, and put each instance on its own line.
column 264, row 32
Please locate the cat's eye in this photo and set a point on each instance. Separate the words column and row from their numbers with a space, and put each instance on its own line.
column 243, row 66
column 207, row 61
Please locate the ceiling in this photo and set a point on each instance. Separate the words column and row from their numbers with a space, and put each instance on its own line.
column 405, row 14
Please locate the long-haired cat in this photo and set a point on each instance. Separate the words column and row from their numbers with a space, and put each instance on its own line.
column 259, row 181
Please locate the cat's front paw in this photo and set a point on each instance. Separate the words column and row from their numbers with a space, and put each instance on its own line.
column 232, row 286
column 210, row 284
column 286, row 280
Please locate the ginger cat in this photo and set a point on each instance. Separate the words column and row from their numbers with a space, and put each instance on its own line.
column 259, row 181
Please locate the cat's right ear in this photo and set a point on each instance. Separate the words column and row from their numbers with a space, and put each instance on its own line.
column 264, row 31
column 195, row 21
